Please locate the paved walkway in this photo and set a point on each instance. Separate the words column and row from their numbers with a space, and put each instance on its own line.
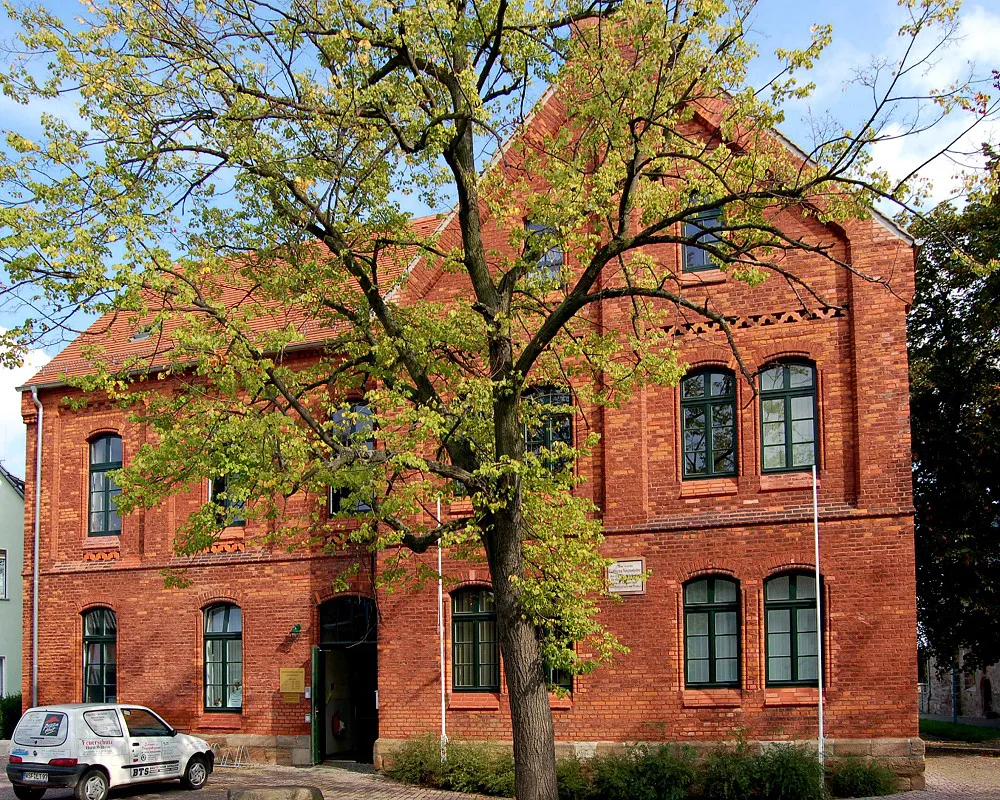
column 948, row 778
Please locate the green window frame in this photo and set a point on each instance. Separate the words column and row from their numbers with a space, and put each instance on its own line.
column 103, row 518
column 553, row 428
column 791, row 630
column 223, row 675
column 700, row 230
column 475, row 665
column 100, row 656
column 358, row 427
column 708, row 424
column 789, row 440
column 230, row 510
column 711, row 633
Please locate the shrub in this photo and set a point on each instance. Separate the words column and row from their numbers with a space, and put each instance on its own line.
column 574, row 780
column 854, row 777
column 10, row 714
column 728, row 774
column 417, row 761
column 479, row 768
column 789, row 773
column 644, row 773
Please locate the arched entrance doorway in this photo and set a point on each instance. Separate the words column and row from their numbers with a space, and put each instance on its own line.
column 345, row 677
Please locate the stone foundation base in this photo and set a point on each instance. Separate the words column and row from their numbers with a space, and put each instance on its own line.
column 253, row 748
column 905, row 757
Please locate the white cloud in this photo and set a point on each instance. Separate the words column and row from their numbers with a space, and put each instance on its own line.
column 11, row 425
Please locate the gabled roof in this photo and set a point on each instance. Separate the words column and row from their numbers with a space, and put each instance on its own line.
column 115, row 332
column 16, row 483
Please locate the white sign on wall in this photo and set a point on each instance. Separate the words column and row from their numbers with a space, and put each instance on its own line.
column 625, row 576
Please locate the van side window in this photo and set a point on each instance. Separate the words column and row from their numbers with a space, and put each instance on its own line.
column 104, row 722
column 141, row 722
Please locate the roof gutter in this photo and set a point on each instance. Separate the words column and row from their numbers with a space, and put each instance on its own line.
column 34, row 559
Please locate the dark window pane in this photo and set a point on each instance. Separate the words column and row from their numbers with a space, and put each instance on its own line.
column 693, row 386
column 800, row 375
column 722, row 384
column 778, row 588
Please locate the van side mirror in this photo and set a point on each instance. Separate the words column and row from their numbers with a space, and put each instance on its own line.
column 173, row 731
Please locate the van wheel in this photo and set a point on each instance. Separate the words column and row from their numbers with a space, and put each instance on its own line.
column 93, row 785
column 196, row 773
column 28, row 793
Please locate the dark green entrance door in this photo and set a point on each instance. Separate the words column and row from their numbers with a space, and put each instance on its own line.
column 346, row 690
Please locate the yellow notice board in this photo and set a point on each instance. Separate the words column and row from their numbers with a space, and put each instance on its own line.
column 292, row 680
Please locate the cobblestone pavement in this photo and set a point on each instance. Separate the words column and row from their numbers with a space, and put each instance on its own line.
column 948, row 778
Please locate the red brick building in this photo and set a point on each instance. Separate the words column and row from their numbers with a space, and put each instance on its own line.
column 722, row 636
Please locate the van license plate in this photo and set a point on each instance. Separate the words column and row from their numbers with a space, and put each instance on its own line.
column 36, row 777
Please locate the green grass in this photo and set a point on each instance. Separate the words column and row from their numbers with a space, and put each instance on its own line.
column 953, row 732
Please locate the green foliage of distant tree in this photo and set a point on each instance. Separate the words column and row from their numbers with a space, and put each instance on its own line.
column 954, row 334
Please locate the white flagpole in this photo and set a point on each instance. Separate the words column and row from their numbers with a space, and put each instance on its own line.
column 444, row 732
column 819, row 619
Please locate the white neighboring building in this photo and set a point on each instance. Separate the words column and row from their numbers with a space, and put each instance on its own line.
column 11, row 564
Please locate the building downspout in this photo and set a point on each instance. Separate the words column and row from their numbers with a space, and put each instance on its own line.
column 34, row 558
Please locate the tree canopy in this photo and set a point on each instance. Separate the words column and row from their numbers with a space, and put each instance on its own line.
column 954, row 332
column 233, row 180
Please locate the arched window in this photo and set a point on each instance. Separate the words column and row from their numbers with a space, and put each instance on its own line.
column 475, row 647
column 712, row 632
column 223, row 658
column 552, row 427
column 788, row 417
column 100, row 656
column 355, row 427
column 708, row 423
column 105, row 456
column 792, row 629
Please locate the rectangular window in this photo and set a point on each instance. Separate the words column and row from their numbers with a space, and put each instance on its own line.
column 699, row 232
column 549, row 265
column 230, row 509
column 792, row 628
column 3, row 577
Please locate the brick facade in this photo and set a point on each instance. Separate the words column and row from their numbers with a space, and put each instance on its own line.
column 748, row 527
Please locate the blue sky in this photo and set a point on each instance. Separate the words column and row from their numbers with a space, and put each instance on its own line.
column 862, row 30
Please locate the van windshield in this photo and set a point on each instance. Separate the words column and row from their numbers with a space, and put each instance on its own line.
column 42, row 729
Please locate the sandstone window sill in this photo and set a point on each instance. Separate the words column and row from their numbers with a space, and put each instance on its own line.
column 474, row 701
column 712, row 698
column 792, row 696
column 711, row 487
column 705, row 277
column 103, row 543
column 788, row 480
column 221, row 720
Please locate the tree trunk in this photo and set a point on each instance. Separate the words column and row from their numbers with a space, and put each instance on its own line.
column 530, row 714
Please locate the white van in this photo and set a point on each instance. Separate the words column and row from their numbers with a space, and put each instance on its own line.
column 93, row 747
